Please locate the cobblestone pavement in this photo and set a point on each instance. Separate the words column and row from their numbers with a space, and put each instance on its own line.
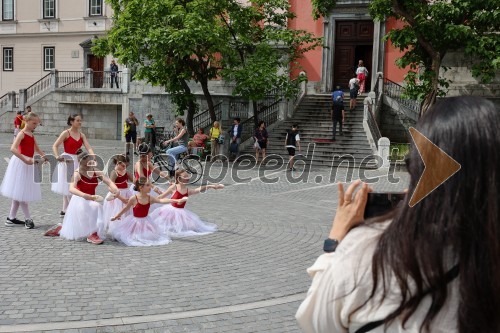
column 248, row 277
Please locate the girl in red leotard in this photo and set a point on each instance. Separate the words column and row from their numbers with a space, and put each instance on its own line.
column 174, row 219
column 138, row 229
column 84, row 212
column 19, row 182
column 114, row 204
column 72, row 140
column 145, row 168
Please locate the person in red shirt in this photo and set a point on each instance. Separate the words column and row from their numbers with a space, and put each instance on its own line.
column 18, row 121
column 198, row 139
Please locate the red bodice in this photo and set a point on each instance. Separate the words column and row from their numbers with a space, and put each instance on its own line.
column 87, row 185
column 179, row 195
column 27, row 145
column 71, row 145
column 141, row 210
column 121, row 181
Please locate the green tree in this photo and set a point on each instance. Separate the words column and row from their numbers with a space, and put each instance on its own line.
column 171, row 42
column 431, row 30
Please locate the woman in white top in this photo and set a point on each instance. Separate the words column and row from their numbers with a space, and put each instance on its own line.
column 361, row 73
column 433, row 267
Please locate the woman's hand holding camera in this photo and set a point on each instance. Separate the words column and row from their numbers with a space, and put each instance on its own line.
column 350, row 209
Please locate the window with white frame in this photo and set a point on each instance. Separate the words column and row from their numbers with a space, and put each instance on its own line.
column 7, row 10
column 49, row 55
column 95, row 7
column 8, row 58
column 49, row 9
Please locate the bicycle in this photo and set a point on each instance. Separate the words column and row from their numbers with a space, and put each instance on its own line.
column 190, row 163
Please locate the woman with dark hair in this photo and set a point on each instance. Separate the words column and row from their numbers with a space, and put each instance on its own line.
column 261, row 136
column 72, row 140
column 433, row 267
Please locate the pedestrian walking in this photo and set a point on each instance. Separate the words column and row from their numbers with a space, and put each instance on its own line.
column 20, row 182
column 114, row 73
column 361, row 73
column 261, row 138
column 174, row 219
column 138, row 228
column 353, row 91
column 338, row 116
column 72, row 140
column 84, row 213
column 292, row 141
column 337, row 93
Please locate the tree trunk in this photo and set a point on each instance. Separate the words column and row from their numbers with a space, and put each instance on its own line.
column 208, row 97
column 191, row 108
column 430, row 99
column 255, row 113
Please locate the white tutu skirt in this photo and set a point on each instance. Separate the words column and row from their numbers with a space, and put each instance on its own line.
column 61, row 178
column 137, row 231
column 180, row 222
column 21, row 181
column 81, row 219
column 111, row 209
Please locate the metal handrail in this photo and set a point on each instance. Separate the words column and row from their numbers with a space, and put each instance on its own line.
column 38, row 87
column 269, row 115
column 395, row 91
column 204, row 120
column 74, row 78
column 4, row 100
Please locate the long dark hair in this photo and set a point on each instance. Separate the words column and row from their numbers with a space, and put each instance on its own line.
column 458, row 223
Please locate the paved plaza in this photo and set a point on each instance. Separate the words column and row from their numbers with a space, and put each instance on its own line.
column 250, row 276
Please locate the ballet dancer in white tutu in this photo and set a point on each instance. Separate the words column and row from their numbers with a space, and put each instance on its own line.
column 84, row 210
column 72, row 140
column 174, row 219
column 114, row 204
column 138, row 229
column 145, row 168
column 21, row 181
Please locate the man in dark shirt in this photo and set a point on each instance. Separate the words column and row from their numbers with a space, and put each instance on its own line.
column 114, row 73
column 338, row 115
column 131, row 124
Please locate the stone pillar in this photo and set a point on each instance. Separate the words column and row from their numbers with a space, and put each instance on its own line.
column 225, row 108
column 251, row 111
column 89, row 78
column 12, row 100
column 22, row 99
column 125, row 80
column 54, row 80
column 383, row 151
column 283, row 109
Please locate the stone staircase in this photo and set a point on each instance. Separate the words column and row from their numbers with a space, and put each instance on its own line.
column 313, row 117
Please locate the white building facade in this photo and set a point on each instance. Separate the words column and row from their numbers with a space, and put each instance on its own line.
column 37, row 36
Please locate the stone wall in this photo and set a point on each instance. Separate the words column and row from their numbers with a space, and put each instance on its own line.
column 102, row 113
column 394, row 125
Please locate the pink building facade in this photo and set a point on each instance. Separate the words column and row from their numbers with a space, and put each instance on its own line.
column 350, row 35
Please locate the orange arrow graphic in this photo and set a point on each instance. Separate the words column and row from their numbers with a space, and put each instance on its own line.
column 439, row 167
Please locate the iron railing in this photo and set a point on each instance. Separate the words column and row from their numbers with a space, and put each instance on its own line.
column 372, row 125
column 38, row 87
column 71, row 79
column 106, row 79
column 4, row 100
column 238, row 109
column 269, row 115
column 395, row 91
column 203, row 120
